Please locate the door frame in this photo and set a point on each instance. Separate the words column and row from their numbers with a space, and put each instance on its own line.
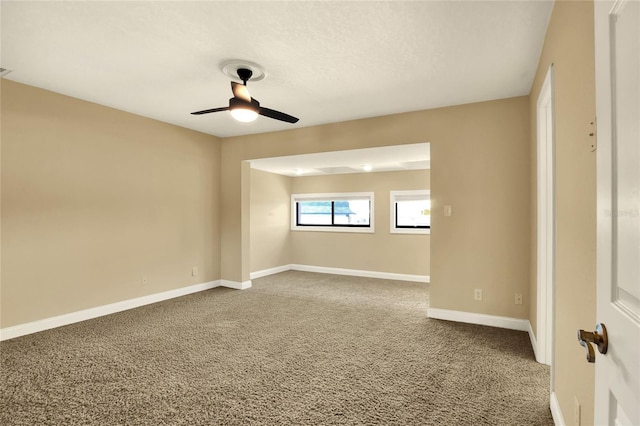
column 546, row 223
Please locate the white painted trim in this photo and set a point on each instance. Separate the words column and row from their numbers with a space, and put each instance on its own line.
column 361, row 273
column 340, row 271
column 534, row 343
column 99, row 311
column 556, row 413
column 545, row 218
column 270, row 271
column 481, row 319
column 235, row 284
column 409, row 231
column 343, row 229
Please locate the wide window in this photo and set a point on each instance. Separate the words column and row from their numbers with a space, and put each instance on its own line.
column 344, row 212
column 410, row 212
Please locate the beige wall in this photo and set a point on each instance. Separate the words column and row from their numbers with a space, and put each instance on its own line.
column 380, row 251
column 480, row 166
column 93, row 199
column 569, row 46
column 270, row 242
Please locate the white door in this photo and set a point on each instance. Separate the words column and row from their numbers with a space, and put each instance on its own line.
column 617, row 38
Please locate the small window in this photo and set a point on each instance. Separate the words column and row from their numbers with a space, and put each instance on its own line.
column 410, row 212
column 345, row 212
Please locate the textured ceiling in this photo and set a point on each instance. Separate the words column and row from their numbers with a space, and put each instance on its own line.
column 325, row 61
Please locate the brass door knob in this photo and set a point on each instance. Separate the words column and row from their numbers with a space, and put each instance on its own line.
column 598, row 338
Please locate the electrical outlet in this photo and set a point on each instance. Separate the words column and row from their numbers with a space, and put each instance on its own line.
column 477, row 294
column 518, row 298
column 194, row 271
column 576, row 411
column 145, row 280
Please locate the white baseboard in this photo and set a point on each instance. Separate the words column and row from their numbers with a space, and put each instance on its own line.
column 86, row 314
column 481, row 319
column 236, row 284
column 534, row 343
column 340, row 271
column 270, row 271
column 556, row 413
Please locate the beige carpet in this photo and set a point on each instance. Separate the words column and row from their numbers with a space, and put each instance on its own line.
column 296, row 349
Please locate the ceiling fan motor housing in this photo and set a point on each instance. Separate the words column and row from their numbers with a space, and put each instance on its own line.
column 242, row 104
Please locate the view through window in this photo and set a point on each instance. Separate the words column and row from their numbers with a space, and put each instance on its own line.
column 410, row 211
column 332, row 210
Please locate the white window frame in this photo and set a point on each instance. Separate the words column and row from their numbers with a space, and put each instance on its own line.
column 394, row 197
column 333, row 197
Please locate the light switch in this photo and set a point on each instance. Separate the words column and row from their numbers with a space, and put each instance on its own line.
column 447, row 210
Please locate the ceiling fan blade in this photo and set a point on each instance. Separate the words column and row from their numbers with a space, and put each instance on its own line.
column 240, row 91
column 272, row 113
column 207, row 111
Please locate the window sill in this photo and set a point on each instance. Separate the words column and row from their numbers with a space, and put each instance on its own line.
column 346, row 229
column 410, row 231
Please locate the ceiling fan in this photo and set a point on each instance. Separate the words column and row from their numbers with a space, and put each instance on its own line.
column 243, row 107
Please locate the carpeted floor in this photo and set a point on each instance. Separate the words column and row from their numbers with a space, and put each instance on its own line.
column 296, row 349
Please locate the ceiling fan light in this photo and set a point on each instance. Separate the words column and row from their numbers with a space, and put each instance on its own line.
column 244, row 114
column 242, row 110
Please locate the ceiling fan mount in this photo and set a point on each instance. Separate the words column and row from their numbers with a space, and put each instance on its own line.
column 230, row 69
column 244, row 74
